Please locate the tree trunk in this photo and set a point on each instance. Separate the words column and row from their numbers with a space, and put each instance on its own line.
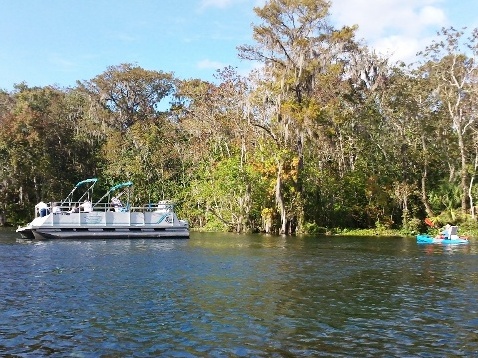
column 3, row 216
column 299, row 212
column 463, row 173
column 470, row 197
column 425, row 202
column 280, row 200
column 470, row 187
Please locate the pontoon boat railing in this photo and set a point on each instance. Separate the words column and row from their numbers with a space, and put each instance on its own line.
column 58, row 207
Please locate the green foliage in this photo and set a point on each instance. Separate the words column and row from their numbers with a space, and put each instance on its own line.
column 221, row 196
column 313, row 228
column 130, row 93
column 446, row 197
column 214, row 224
column 412, row 227
column 43, row 155
column 313, row 140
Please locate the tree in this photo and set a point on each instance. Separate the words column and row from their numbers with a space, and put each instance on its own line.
column 213, row 116
column 139, row 135
column 130, row 93
column 300, row 52
column 40, row 145
column 450, row 65
column 7, row 103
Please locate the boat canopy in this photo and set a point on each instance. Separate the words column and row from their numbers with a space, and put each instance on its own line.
column 92, row 180
column 113, row 189
column 120, row 186
column 88, row 192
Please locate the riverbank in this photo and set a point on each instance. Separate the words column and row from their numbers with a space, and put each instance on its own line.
column 368, row 232
column 469, row 232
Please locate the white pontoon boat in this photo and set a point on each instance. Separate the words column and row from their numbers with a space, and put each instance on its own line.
column 108, row 218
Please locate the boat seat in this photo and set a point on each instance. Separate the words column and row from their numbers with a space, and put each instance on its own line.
column 453, row 231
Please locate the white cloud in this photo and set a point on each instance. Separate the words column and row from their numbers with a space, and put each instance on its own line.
column 208, row 64
column 430, row 15
column 398, row 48
column 399, row 28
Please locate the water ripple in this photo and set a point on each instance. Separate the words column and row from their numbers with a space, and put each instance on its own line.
column 237, row 296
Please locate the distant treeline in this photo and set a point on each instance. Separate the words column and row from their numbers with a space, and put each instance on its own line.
column 325, row 134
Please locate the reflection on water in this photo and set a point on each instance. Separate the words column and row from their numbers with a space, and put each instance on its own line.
column 237, row 295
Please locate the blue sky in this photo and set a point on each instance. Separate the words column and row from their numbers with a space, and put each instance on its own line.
column 57, row 42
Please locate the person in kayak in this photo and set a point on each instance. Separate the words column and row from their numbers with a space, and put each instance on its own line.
column 445, row 233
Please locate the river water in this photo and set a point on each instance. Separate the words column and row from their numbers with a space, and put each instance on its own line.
column 225, row 295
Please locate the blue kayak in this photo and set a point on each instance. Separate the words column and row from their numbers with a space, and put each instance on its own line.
column 453, row 240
